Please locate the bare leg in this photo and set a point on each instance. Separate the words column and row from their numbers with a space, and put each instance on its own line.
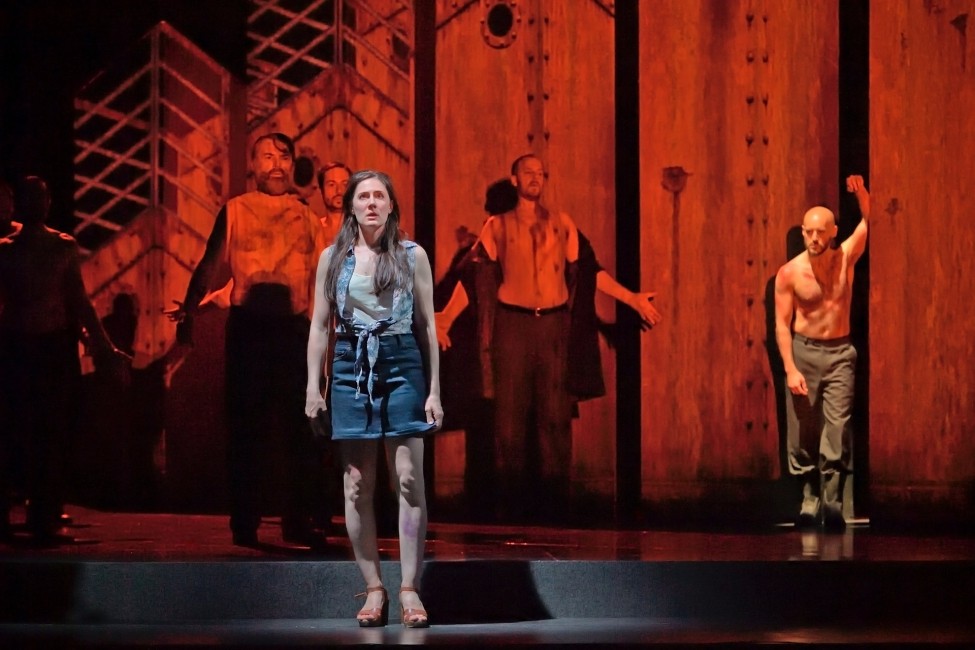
column 359, row 477
column 407, row 474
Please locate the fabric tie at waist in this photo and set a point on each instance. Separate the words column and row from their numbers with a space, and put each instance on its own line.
column 367, row 353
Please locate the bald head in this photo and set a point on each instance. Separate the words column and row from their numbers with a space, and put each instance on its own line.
column 818, row 230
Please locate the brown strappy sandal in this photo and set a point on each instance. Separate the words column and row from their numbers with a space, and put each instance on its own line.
column 374, row 616
column 413, row 616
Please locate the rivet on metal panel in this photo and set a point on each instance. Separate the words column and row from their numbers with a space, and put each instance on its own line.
column 748, row 384
column 765, row 56
column 765, row 179
column 749, row 17
column 545, row 56
column 531, row 58
column 749, row 180
column 749, row 424
column 749, row 342
column 765, row 138
column 750, row 99
column 531, row 97
column 750, row 218
column 750, row 56
column 765, row 18
column 765, row 98
column 345, row 133
column 531, row 137
column 545, row 96
column 749, row 138
column 749, row 301
column 547, row 134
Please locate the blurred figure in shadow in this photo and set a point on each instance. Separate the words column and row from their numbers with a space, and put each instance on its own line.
column 7, row 225
column 45, row 307
column 474, row 280
column 141, row 406
column 813, row 295
column 271, row 241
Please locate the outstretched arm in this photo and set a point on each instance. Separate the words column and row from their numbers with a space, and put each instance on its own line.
column 640, row 302
column 856, row 243
column 200, row 280
column 103, row 350
column 445, row 319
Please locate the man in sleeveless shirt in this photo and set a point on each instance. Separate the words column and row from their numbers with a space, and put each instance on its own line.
column 271, row 241
column 813, row 292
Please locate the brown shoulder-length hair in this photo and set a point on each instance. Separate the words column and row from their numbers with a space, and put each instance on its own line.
column 392, row 268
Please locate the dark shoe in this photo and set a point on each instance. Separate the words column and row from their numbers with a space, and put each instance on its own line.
column 833, row 520
column 374, row 616
column 806, row 520
column 247, row 539
column 412, row 616
column 311, row 538
column 50, row 540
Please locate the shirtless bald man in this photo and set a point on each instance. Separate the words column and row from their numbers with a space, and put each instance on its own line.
column 814, row 289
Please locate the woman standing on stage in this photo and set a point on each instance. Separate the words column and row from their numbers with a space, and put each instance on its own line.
column 376, row 289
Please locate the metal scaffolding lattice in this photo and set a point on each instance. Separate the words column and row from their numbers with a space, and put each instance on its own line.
column 293, row 41
column 150, row 132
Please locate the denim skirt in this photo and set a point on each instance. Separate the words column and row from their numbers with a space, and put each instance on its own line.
column 399, row 391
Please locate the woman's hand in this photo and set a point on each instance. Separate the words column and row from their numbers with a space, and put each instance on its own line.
column 314, row 402
column 434, row 410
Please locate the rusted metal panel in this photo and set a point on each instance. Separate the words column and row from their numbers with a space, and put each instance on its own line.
column 922, row 382
column 738, row 137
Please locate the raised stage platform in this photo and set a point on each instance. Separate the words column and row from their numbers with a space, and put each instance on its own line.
column 161, row 580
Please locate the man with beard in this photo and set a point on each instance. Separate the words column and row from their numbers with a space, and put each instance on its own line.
column 533, row 247
column 814, row 290
column 271, row 241
column 333, row 178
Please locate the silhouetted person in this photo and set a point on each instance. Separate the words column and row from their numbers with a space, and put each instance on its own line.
column 7, row 225
column 271, row 241
column 813, row 293
column 45, row 307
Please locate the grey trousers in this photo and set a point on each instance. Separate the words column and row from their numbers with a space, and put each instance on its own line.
column 819, row 436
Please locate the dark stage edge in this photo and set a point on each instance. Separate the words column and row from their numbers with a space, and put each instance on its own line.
column 567, row 587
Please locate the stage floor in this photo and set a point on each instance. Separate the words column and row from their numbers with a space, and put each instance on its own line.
column 186, row 537
column 146, row 568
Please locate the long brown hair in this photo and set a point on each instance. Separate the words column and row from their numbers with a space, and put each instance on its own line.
column 392, row 267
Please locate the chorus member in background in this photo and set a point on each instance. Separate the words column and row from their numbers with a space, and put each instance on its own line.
column 271, row 241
